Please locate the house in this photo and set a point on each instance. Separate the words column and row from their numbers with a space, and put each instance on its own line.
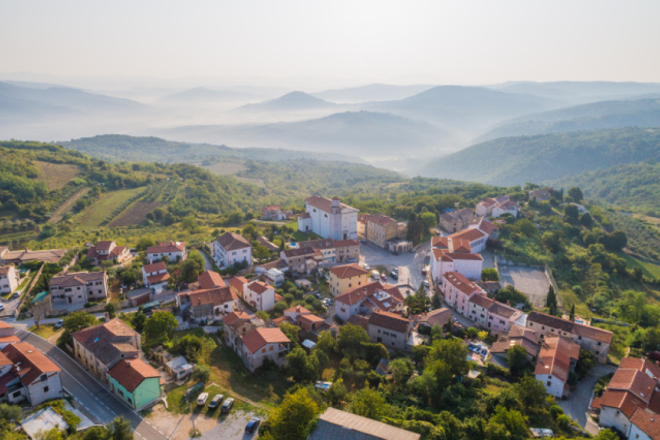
column 380, row 229
column 173, row 250
column 329, row 218
column 458, row 290
column 135, row 382
column 539, row 195
column 556, row 360
column 466, row 263
column 259, row 295
column 390, row 329
column 301, row 260
column 26, row 255
column 518, row 335
column 305, row 319
column 7, row 335
column 337, row 424
column 208, row 305
column 138, row 297
column 275, row 276
column 231, row 249
column 508, row 207
column 456, row 221
column 502, row 316
column 644, row 425
column 364, row 299
column 78, row 288
column 347, row 250
column 633, row 387
column 254, row 344
column 273, row 212
column 28, row 375
column 362, row 226
column 398, row 246
column 439, row 317
column 108, row 251
column 496, row 207
column 488, row 228
column 179, row 367
column 343, row 278
column 155, row 276
column 9, row 279
column 210, row 280
column 99, row 347
column 594, row 339
column 237, row 285
column 265, row 242
column 468, row 240
column 478, row 307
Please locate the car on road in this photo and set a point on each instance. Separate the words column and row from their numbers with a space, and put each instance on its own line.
column 216, row 401
column 424, row 271
column 16, row 294
column 327, row 302
column 226, row 406
column 394, row 274
column 59, row 323
column 202, row 398
column 318, row 295
column 383, row 276
column 252, row 425
column 363, row 241
column 426, row 284
column 2, row 307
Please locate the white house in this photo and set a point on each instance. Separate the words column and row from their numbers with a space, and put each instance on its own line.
column 508, row 207
column 8, row 279
column 155, row 276
column 173, row 250
column 230, row 249
column 557, row 359
column 329, row 218
column 644, row 425
column 208, row 304
column 29, row 375
column 259, row 295
column 465, row 263
column 496, row 207
column 364, row 299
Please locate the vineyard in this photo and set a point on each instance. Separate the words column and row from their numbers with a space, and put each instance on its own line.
column 156, row 195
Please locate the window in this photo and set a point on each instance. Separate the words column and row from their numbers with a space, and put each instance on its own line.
column 16, row 394
column 45, row 389
column 263, row 350
column 548, row 383
column 271, row 348
column 43, row 377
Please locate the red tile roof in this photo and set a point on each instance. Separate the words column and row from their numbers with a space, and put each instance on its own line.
column 234, row 317
column 647, row 422
column 216, row 296
column 33, row 363
column 131, row 373
column 348, row 271
column 259, row 337
column 259, row 287
column 482, row 301
column 237, row 283
column 459, row 281
column 468, row 234
column 167, row 247
column 439, row 242
column 231, row 241
column 622, row 400
column 155, row 267
column 390, row 321
column 209, row 279
column 323, row 203
column 159, row 278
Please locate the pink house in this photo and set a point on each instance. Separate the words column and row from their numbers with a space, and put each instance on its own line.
column 458, row 290
column 501, row 317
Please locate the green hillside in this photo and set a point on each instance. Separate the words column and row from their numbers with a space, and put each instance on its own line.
column 544, row 158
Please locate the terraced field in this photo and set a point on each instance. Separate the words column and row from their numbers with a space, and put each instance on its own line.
column 56, row 175
column 135, row 214
column 98, row 211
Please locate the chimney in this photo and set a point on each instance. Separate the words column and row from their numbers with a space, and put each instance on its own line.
column 335, row 202
column 508, row 302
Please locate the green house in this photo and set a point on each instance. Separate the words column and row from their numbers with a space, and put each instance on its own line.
column 136, row 382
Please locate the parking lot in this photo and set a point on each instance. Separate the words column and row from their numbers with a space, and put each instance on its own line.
column 410, row 264
column 531, row 281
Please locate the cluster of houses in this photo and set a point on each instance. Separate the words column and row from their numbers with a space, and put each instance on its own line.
column 384, row 232
column 496, row 207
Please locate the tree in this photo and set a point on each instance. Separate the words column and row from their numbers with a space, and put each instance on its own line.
column 531, row 392
column 201, row 373
column 291, row 332
column 606, row 434
column 575, row 194
column 513, row 420
column 571, row 213
column 261, row 252
column 429, row 219
column 160, row 327
column 368, row 403
column 78, row 320
column 337, row 392
column 300, row 366
column 551, row 301
column 138, row 320
column 490, row 274
column 586, row 220
column 110, row 310
column 289, row 420
column 192, row 267
column 326, row 342
column 418, row 302
column 144, row 243
column 401, row 370
column 350, row 341
column 436, row 300
column 525, row 227
column 264, row 316
column 120, row 429
column 451, row 352
column 571, row 317
column 516, row 359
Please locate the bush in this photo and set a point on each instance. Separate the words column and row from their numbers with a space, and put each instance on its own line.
column 201, row 373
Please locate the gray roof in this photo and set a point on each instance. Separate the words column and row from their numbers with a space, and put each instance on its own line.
column 335, row 424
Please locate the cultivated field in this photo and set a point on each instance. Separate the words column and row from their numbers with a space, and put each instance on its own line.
column 94, row 214
column 56, row 175
column 135, row 214
column 225, row 168
column 66, row 206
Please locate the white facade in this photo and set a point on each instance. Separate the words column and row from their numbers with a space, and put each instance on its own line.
column 637, row 434
column 259, row 295
column 345, row 311
column 8, row 279
column 330, row 218
column 226, row 258
column 470, row 267
column 614, row 418
column 553, row 385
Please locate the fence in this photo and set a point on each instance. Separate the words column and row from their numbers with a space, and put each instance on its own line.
column 553, row 283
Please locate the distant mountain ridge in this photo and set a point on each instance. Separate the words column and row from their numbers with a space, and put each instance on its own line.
column 293, row 101
column 206, row 95
column 544, row 158
column 371, row 92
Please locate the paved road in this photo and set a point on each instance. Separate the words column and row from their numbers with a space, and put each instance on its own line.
column 207, row 263
column 410, row 264
column 94, row 397
column 577, row 404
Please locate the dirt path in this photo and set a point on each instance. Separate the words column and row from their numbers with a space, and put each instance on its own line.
column 64, row 207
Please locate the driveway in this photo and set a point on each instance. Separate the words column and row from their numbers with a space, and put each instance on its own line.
column 578, row 402
column 231, row 428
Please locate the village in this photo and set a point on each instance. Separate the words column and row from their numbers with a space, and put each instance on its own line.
column 352, row 269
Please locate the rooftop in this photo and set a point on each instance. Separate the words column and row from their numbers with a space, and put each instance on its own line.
column 336, row 424
column 348, row 271
column 231, row 241
column 131, row 373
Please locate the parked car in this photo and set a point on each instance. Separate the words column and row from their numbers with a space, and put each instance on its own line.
column 383, row 276
column 424, row 271
column 202, row 398
column 426, row 284
column 16, row 294
column 226, row 406
column 318, row 295
column 394, row 275
column 363, row 241
column 252, row 425
column 59, row 323
column 2, row 307
column 216, row 401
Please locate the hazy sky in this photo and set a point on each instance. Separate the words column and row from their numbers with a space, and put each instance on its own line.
column 331, row 43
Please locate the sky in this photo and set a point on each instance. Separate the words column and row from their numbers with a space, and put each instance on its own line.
column 317, row 44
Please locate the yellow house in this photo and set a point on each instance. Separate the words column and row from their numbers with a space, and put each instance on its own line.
column 380, row 229
column 347, row 277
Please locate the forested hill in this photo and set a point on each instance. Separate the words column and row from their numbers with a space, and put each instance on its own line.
column 544, row 158
column 633, row 187
column 116, row 148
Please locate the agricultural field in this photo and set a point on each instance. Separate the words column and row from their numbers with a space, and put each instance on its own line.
column 649, row 269
column 66, row 206
column 225, row 168
column 95, row 214
column 135, row 214
column 56, row 175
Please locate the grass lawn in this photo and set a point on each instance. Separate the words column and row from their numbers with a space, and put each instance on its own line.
column 22, row 286
column 56, row 175
column 46, row 331
column 94, row 214
column 648, row 269
column 304, row 236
